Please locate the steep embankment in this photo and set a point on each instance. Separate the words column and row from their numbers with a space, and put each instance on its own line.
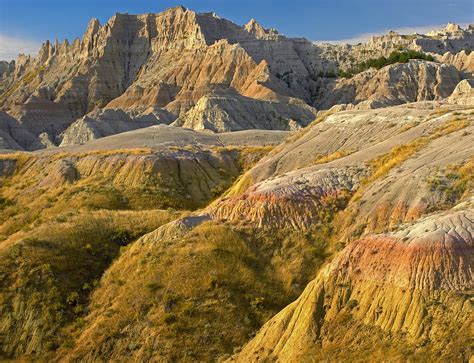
column 401, row 287
column 392, row 85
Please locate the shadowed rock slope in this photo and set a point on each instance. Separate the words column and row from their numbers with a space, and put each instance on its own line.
column 108, row 122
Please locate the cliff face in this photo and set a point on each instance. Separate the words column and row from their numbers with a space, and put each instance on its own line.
column 392, row 85
column 167, row 60
column 173, row 59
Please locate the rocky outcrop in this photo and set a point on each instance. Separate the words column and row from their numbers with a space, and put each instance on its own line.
column 173, row 59
column 463, row 94
column 232, row 112
column 6, row 68
column 463, row 61
column 451, row 40
column 375, row 131
column 333, row 159
column 392, row 85
column 14, row 136
column 108, row 122
column 296, row 200
column 168, row 59
column 410, row 284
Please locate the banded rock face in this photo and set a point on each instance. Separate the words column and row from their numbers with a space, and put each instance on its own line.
column 173, row 59
column 154, row 60
column 418, row 145
column 392, row 85
column 296, row 200
column 41, row 115
column 232, row 112
column 411, row 284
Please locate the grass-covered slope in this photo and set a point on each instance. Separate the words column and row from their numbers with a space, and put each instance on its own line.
column 67, row 214
column 373, row 206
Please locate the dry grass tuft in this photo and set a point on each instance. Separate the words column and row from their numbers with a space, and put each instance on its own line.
column 331, row 157
column 134, row 151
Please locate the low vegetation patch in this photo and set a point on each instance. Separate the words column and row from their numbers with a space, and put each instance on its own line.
column 53, row 268
column 378, row 63
column 384, row 164
column 331, row 157
column 200, row 296
column 452, row 185
column 133, row 151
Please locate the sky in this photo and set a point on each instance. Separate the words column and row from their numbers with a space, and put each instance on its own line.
column 25, row 24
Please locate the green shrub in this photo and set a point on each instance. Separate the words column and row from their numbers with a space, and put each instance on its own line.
column 378, row 63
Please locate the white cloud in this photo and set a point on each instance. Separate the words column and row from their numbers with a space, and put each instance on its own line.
column 10, row 47
column 361, row 38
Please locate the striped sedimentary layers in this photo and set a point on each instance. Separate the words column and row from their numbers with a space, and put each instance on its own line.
column 413, row 286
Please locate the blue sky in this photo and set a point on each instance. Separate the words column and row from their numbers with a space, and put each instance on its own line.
column 26, row 23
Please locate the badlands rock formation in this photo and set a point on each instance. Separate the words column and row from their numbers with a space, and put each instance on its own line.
column 180, row 59
column 463, row 94
column 447, row 42
column 392, row 85
column 232, row 112
column 463, row 61
column 171, row 59
column 411, row 284
column 332, row 160
column 381, row 197
column 218, row 194
column 108, row 122
column 14, row 136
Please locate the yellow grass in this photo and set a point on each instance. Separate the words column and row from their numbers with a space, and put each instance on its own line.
column 383, row 164
column 133, row 151
column 333, row 156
